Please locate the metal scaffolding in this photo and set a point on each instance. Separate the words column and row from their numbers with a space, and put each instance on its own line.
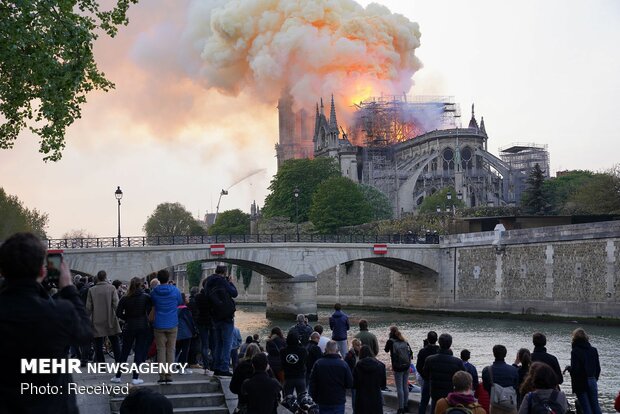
column 386, row 120
column 523, row 157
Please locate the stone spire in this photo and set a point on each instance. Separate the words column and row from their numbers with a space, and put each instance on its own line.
column 472, row 122
column 322, row 111
column 317, row 117
column 482, row 129
column 333, row 123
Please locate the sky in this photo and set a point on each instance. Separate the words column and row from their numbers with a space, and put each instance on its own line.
column 541, row 72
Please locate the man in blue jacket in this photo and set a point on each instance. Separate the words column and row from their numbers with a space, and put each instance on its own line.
column 220, row 292
column 502, row 374
column 166, row 298
column 339, row 324
column 329, row 381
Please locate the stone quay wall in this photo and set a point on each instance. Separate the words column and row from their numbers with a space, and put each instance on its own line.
column 564, row 270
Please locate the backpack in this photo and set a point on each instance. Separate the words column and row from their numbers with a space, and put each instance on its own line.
column 502, row 397
column 539, row 405
column 459, row 409
column 401, row 356
column 220, row 302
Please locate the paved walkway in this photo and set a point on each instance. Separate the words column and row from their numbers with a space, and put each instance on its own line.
column 100, row 404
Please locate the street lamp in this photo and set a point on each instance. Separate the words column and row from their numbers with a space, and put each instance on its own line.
column 296, row 194
column 119, row 194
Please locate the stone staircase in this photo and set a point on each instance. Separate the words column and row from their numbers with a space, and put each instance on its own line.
column 187, row 397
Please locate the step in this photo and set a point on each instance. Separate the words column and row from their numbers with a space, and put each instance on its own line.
column 182, row 387
column 196, row 410
column 183, row 400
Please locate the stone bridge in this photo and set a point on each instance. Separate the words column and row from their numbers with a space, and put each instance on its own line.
column 290, row 269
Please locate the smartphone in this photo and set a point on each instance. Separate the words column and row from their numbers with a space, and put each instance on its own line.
column 54, row 259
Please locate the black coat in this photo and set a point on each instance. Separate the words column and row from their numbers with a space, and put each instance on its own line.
column 422, row 355
column 134, row 311
column 584, row 364
column 202, row 308
column 540, row 355
column 293, row 359
column 273, row 347
column 243, row 372
column 329, row 380
column 314, row 353
column 368, row 380
column 33, row 325
column 262, row 393
column 439, row 369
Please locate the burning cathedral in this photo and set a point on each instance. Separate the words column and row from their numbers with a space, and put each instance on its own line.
column 409, row 148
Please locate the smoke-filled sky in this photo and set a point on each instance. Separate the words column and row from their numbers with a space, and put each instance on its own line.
column 194, row 109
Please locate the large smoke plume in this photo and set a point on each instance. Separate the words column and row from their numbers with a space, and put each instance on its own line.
column 312, row 48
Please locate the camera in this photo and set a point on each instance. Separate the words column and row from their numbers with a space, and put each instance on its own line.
column 54, row 260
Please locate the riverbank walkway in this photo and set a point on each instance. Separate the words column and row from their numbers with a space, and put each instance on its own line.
column 100, row 404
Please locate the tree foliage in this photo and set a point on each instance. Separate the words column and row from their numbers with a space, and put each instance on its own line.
column 338, row 202
column 193, row 271
column 14, row 217
column 172, row 219
column 245, row 275
column 558, row 190
column 600, row 194
column 303, row 174
column 282, row 225
column 440, row 198
column 379, row 202
column 47, row 66
column 231, row 222
column 534, row 199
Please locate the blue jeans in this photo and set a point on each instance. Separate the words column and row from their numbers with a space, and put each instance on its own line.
column 222, row 336
column 140, row 337
column 342, row 347
column 589, row 399
column 425, row 397
column 331, row 409
column 207, row 358
column 401, row 380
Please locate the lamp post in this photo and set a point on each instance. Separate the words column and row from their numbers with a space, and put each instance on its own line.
column 296, row 194
column 119, row 194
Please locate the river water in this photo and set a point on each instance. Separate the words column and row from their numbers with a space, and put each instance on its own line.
column 476, row 334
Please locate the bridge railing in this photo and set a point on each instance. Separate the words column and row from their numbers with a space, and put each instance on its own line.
column 143, row 241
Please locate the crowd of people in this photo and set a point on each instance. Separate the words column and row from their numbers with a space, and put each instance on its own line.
column 302, row 369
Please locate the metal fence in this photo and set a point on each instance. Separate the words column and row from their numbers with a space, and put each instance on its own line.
column 143, row 241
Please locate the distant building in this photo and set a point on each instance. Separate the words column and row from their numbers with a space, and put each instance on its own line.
column 410, row 148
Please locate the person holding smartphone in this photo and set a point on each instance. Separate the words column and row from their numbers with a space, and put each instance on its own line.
column 33, row 325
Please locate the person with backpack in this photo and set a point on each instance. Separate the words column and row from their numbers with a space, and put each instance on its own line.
column 585, row 370
column 220, row 293
column 540, row 393
column 461, row 400
column 400, row 355
column 501, row 380
column 440, row 368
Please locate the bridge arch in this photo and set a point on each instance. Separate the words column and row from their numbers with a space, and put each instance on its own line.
column 291, row 269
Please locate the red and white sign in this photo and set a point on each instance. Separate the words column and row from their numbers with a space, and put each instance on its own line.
column 380, row 249
column 218, row 249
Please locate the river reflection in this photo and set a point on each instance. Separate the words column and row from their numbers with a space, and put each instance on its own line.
column 477, row 335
